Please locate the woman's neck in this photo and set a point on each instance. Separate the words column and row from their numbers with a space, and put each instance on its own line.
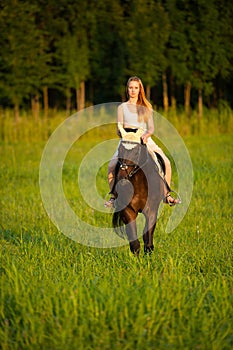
column 132, row 101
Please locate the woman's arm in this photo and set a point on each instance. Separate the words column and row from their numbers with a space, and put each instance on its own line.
column 150, row 130
column 120, row 118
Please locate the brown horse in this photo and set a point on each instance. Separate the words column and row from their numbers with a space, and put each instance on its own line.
column 138, row 188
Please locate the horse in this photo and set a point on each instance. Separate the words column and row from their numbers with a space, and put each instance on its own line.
column 138, row 188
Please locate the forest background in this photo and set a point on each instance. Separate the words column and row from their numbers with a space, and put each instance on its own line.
column 63, row 54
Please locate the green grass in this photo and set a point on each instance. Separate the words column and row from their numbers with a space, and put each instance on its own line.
column 58, row 294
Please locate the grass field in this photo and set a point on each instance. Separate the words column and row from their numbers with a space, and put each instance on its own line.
column 58, row 294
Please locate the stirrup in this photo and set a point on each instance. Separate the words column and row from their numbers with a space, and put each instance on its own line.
column 174, row 200
column 110, row 203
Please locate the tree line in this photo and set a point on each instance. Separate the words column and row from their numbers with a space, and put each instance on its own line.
column 74, row 53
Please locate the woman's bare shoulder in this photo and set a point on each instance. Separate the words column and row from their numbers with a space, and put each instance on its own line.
column 120, row 107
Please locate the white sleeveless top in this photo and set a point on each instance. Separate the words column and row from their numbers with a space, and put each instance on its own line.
column 131, row 118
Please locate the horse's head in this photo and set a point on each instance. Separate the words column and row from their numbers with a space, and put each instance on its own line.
column 132, row 152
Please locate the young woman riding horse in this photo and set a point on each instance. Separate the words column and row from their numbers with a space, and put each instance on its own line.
column 133, row 114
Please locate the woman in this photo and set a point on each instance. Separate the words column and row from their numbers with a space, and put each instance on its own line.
column 136, row 113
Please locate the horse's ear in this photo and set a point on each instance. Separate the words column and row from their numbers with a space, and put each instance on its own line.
column 122, row 130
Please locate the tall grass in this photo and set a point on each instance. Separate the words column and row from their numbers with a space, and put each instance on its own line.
column 27, row 129
column 58, row 294
column 213, row 121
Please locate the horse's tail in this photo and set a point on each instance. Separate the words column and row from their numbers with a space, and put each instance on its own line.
column 118, row 224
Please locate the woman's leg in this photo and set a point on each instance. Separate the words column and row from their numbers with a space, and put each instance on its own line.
column 111, row 172
column 111, row 179
column 167, row 196
column 168, row 169
column 155, row 148
column 168, row 172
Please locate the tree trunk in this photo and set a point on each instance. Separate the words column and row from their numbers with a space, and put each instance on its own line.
column 148, row 92
column 187, row 97
column 68, row 102
column 200, row 104
column 46, row 101
column 173, row 98
column 165, row 92
column 77, row 99
column 35, row 106
column 80, row 96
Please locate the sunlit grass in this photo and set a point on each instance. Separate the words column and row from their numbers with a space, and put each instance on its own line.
column 58, row 294
column 29, row 130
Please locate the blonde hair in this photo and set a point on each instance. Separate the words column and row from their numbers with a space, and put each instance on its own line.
column 144, row 107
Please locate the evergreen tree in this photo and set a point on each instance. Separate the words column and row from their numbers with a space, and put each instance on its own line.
column 108, row 50
column 94, row 46
column 21, row 52
column 197, row 49
column 73, row 58
column 72, row 50
column 147, row 30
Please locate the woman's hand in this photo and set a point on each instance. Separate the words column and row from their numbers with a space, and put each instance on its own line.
column 145, row 137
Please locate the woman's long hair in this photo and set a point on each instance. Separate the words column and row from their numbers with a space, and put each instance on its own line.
column 144, row 107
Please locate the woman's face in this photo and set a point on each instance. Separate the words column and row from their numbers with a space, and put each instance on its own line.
column 133, row 89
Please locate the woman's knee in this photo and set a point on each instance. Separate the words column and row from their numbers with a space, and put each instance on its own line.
column 112, row 165
column 166, row 162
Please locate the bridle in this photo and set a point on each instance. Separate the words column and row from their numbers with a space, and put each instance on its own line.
column 133, row 166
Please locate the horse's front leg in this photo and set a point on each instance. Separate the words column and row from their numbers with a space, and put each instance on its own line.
column 129, row 219
column 131, row 231
column 148, row 233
